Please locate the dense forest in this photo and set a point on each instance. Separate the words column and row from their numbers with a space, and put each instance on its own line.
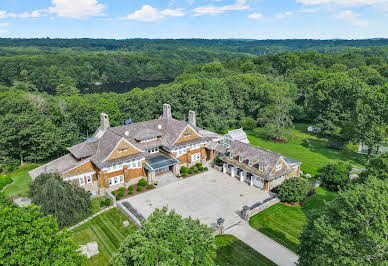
column 42, row 111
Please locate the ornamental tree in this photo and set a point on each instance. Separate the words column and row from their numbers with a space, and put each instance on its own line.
column 66, row 202
column 28, row 237
column 378, row 167
column 353, row 230
column 168, row 239
column 335, row 176
column 293, row 190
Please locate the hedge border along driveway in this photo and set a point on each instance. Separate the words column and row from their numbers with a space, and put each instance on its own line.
column 285, row 223
column 108, row 230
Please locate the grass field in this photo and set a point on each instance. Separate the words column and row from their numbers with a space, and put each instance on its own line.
column 21, row 180
column 107, row 229
column 232, row 251
column 96, row 207
column 284, row 223
column 307, row 148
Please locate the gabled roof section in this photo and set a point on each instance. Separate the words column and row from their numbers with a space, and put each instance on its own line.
column 191, row 130
column 147, row 133
column 84, row 149
column 59, row 165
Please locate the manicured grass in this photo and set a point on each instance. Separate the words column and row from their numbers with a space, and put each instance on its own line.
column 21, row 180
column 307, row 148
column 232, row 251
column 285, row 223
column 107, row 229
column 96, row 207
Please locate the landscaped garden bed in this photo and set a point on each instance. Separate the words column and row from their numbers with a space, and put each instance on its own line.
column 193, row 170
column 132, row 190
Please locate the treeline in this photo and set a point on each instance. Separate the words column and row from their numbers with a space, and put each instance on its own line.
column 345, row 94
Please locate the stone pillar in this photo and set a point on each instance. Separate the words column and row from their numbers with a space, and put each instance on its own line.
column 126, row 173
column 245, row 213
column 175, row 169
column 224, row 168
column 220, row 226
column 242, row 176
column 232, row 171
column 252, row 177
column 150, row 177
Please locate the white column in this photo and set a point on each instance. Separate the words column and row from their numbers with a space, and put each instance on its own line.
column 224, row 168
column 242, row 176
column 232, row 171
column 252, row 180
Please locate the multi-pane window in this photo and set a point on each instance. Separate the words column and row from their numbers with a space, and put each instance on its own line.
column 196, row 157
column 82, row 180
column 279, row 167
column 250, row 163
column 116, row 180
column 261, row 168
column 89, row 178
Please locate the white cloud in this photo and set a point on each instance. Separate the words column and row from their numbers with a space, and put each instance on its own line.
column 76, row 8
column 173, row 12
column 255, row 16
column 284, row 14
column 33, row 14
column 348, row 3
column 308, row 10
column 212, row 9
column 148, row 13
column 351, row 17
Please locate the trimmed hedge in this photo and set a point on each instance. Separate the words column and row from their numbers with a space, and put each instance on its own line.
column 183, row 169
column 130, row 188
column 149, row 186
column 107, row 202
column 200, row 168
column 118, row 197
column 191, row 171
column 121, row 193
column 130, row 192
column 184, row 174
column 205, row 169
column 142, row 182
column 195, row 171
column 139, row 188
column 293, row 190
column 121, row 189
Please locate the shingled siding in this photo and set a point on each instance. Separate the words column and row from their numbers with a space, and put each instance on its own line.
column 283, row 166
column 184, row 138
column 85, row 168
column 122, row 145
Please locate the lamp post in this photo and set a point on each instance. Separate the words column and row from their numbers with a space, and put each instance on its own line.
column 220, row 226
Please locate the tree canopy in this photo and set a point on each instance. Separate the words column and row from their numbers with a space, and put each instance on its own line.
column 168, row 239
column 351, row 231
column 66, row 202
column 335, row 176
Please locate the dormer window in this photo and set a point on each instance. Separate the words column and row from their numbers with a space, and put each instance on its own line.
column 240, row 159
column 231, row 155
column 260, row 167
column 123, row 149
column 279, row 167
column 250, row 163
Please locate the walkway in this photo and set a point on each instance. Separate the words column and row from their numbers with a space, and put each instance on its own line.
column 263, row 244
column 89, row 218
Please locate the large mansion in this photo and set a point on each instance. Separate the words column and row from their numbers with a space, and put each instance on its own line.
column 118, row 156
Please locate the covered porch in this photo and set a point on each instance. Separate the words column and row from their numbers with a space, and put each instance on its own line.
column 158, row 164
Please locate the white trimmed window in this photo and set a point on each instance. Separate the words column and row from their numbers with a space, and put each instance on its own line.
column 116, row 180
column 260, row 167
column 89, row 178
column 240, row 159
column 250, row 163
column 196, row 157
column 279, row 167
column 231, row 155
column 138, row 164
column 82, row 181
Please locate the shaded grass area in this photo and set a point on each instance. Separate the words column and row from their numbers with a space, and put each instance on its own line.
column 21, row 180
column 307, row 148
column 232, row 251
column 107, row 229
column 285, row 223
column 96, row 204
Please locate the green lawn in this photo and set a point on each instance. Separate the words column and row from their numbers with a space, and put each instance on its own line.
column 307, row 148
column 96, row 204
column 21, row 180
column 107, row 229
column 284, row 223
column 232, row 251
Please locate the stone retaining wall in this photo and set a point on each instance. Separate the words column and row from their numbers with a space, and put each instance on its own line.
column 129, row 214
column 259, row 208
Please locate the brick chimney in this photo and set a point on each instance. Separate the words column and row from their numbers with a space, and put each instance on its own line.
column 192, row 118
column 167, row 111
column 104, row 121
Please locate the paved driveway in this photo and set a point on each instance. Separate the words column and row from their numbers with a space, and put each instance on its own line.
column 206, row 196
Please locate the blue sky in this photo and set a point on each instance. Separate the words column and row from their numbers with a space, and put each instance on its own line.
column 255, row 19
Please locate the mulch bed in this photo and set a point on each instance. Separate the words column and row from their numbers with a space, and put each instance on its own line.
column 278, row 139
column 134, row 191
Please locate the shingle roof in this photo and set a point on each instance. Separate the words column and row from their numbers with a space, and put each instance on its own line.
column 84, row 149
column 212, row 145
column 238, row 134
column 59, row 165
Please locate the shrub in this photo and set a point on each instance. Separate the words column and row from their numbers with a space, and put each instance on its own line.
column 293, row 190
column 130, row 188
column 113, row 193
column 191, row 171
column 130, row 192
column 184, row 174
column 118, row 197
column 121, row 193
column 107, row 202
column 142, row 182
column 200, row 168
column 195, row 171
column 249, row 123
column 192, row 167
column 198, row 165
column 149, row 186
column 5, row 181
column 183, row 169
column 139, row 188
column 121, row 189
column 102, row 203
column 335, row 175
column 205, row 169
column 217, row 161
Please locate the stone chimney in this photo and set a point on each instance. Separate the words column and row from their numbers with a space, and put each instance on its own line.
column 167, row 111
column 104, row 121
column 192, row 118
